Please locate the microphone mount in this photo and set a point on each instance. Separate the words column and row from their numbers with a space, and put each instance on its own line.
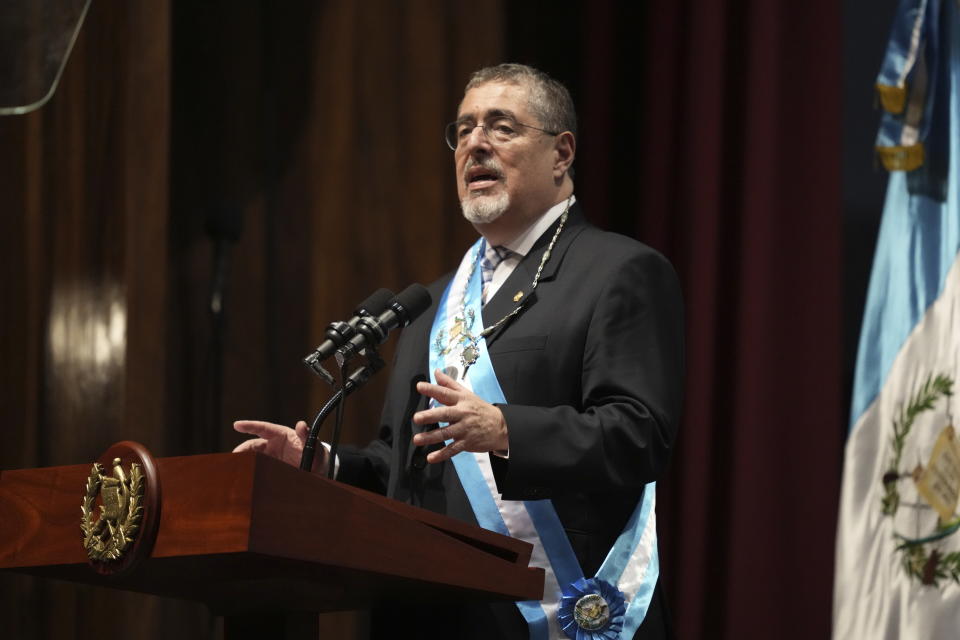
column 339, row 333
column 361, row 336
column 373, row 363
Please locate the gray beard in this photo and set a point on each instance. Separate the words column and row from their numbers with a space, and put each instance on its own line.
column 482, row 209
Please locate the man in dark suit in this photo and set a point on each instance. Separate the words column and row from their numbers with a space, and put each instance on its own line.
column 568, row 389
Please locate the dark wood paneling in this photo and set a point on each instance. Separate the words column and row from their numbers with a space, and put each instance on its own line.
column 85, row 192
column 340, row 172
column 317, row 126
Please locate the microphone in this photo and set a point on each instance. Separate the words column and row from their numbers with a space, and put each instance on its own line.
column 338, row 333
column 372, row 331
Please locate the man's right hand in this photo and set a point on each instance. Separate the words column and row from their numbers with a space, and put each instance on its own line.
column 280, row 442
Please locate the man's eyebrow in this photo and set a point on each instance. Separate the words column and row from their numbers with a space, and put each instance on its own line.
column 492, row 113
column 500, row 113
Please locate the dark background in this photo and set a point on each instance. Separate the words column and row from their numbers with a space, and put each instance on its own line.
column 733, row 136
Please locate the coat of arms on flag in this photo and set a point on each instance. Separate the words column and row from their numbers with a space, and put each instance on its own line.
column 898, row 538
column 925, row 514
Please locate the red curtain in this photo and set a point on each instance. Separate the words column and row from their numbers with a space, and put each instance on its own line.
column 710, row 129
column 714, row 136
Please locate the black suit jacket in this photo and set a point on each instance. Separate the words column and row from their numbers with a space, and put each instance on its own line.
column 592, row 373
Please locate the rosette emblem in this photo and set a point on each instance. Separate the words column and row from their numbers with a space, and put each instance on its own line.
column 591, row 610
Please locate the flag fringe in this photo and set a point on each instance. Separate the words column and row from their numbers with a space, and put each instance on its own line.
column 892, row 99
column 901, row 158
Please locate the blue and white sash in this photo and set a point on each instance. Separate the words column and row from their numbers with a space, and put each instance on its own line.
column 629, row 573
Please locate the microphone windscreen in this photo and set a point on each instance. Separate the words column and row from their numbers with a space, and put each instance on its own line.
column 411, row 302
column 377, row 303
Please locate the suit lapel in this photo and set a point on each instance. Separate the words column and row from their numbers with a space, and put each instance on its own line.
column 517, row 289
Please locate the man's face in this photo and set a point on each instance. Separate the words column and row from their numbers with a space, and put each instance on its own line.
column 512, row 177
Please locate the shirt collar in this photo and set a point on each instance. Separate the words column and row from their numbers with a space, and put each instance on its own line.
column 522, row 244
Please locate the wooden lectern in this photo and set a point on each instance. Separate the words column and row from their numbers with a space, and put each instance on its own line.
column 266, row 545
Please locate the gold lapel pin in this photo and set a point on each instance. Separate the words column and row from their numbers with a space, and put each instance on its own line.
column 517, row 296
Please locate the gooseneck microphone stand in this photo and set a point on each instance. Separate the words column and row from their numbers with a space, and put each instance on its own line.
column 373, row 363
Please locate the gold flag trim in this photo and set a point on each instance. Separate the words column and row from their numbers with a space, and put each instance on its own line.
column 893, row 99
column 901, row 158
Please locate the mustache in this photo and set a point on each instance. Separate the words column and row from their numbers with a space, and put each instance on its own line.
column 489, row 164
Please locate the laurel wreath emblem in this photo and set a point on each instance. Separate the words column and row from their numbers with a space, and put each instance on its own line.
column 106, row 539
column 918, row 557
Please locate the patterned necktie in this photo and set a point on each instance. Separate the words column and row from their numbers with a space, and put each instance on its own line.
column 492, row 256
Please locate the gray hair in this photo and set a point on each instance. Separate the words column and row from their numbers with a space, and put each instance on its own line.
column 550, row 101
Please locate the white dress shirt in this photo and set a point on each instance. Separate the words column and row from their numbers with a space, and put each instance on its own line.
column 521, row 245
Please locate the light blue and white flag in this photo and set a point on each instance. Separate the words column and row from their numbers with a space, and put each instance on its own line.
column 898, row 540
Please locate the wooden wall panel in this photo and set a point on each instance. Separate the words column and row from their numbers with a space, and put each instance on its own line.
column 316, row 129
column 146, row 177
column 384, row 188
column 23, row 272
column 85, row 189
column 336, row 165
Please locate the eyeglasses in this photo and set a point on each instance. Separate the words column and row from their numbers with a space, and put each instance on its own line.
column 498, row 130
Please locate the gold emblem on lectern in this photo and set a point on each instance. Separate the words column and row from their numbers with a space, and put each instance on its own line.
column 110, row 536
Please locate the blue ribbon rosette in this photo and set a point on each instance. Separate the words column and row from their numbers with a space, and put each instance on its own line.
column 591, row 610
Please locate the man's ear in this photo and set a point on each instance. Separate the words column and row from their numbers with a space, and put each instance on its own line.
column 564, row 149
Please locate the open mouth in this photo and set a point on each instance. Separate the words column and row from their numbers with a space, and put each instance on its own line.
column 482, row 178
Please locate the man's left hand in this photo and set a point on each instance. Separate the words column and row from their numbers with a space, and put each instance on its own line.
column 474, row 425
